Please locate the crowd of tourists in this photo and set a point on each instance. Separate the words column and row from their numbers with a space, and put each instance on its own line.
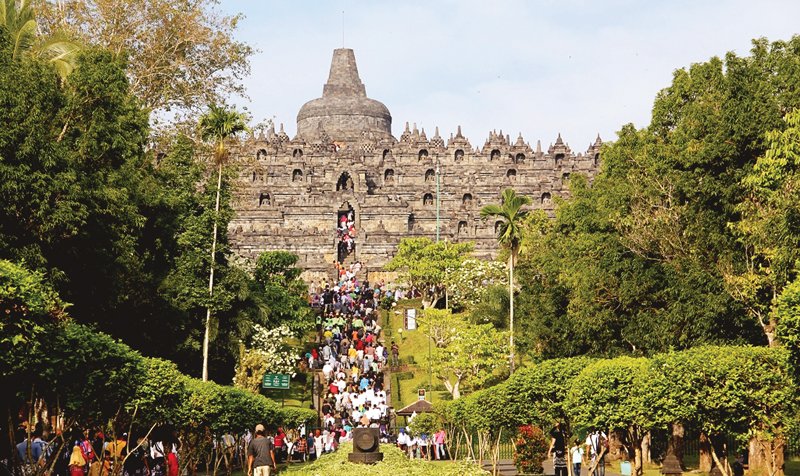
column 351, row 354
column 89, row 452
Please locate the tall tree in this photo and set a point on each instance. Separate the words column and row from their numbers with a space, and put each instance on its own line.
column 769, row 228
column 182, row 53
column 509, row 235
column 425, row 264
column 218, row 125
column 18, row 21
column 463, row 354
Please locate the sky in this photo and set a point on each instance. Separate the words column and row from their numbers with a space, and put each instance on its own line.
column 539, row 67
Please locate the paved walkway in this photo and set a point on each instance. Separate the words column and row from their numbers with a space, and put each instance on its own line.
column 506, row 467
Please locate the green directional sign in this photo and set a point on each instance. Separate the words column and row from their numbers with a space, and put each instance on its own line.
column 275, row 381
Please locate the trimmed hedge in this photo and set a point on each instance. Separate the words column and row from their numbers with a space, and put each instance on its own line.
column 95, row 378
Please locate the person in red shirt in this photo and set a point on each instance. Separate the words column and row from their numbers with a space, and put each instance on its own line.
column 280, row 445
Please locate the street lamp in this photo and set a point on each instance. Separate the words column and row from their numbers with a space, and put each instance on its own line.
column 437, row 198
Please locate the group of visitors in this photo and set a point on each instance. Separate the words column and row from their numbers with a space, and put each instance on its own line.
column 351, row 354
column 86, row 452
column 346, row 233
column 423, row 446
column 595, row 446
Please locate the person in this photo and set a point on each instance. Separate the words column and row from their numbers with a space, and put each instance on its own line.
column 300, row 448
column 77, row 464
column 135, row 463
column 34, row 446
column 113, row 454
column 438, row 439
column 402, row 441
column 260, row 454
column 158, row 457
column 280, row 438
column 738, row 466
column 395, row 354
column 319, row 443
column 558, row 449
column 577, row 457
column 596, row 442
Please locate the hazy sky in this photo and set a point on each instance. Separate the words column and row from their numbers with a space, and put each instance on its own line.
column 536, row 67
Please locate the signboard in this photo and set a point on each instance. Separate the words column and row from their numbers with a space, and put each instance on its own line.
column 421, row 394
column 275, row 381
column 411, row 319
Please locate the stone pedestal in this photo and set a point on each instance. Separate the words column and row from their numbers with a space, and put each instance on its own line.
column 671, row 466
column 365, row 458
column 366, row 443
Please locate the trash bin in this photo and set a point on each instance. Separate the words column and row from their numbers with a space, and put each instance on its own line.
column 625, row 468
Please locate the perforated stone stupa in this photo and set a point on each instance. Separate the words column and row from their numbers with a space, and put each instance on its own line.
column 293, row 191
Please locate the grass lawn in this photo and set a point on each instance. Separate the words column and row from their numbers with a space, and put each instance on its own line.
column 414, row 344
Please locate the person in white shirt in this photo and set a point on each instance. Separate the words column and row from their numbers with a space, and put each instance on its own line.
column 596, row 442
column 402, row 441
column 577, row 457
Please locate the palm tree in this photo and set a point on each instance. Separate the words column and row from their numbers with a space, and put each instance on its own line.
column 509, row 235
column 217, row 126
column 18, row 20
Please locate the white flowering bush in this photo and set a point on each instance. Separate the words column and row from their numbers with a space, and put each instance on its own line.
column 468, row 283
column 269, row 353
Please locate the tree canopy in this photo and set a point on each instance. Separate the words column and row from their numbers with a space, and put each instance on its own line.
column 424, row 264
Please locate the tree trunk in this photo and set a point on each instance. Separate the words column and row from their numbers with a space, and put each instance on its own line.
column 453, row 388
column 646, row 459
column 676, row 441
column 616, row 446
column 705, row 453
column 206, row 335
column 511, row 310
column 766, row 456
column 637, row 460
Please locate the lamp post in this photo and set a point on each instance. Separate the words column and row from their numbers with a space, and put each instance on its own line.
column 437, row 198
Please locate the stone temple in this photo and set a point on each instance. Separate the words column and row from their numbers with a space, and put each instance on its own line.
column 344, row 160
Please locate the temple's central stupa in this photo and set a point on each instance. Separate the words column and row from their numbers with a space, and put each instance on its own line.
column 344, row 111
column 344, row 162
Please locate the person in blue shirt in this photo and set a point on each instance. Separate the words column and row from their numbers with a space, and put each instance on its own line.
column 36, row 448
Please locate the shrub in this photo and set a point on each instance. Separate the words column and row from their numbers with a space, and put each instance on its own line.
column 530, row 449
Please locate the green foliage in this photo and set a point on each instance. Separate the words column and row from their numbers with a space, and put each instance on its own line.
column 395, row 462
column 19, row 24
column 769, row 227
column 468, row 284
column 542, row 389
column 92, row 375
column 463, row 355
column 425, row 424
column 652, row 256
column 734, row 391
column 424, row 264
column 608, row 394
column 511, row 216
column 218, row 125
column 27, row 304
column 738, row 391
column 787, row 312
column 285, row 294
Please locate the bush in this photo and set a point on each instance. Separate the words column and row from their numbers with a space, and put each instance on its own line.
column 530, row 449
column 407, row 375
column 425, row 423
